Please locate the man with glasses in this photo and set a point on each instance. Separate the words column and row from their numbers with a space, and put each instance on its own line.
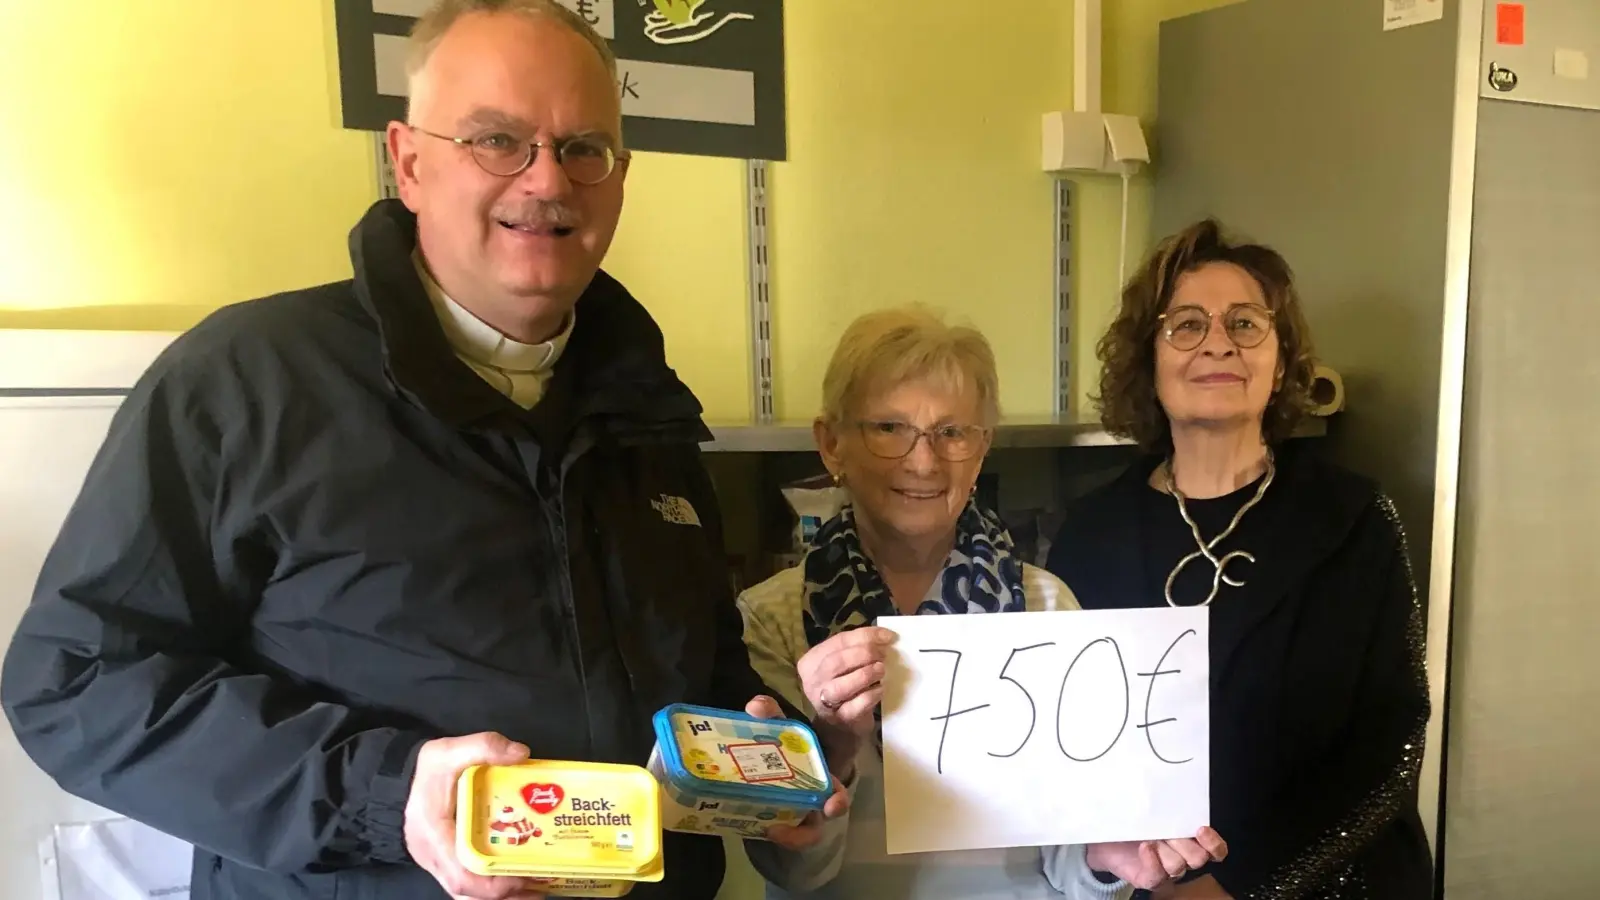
column 344, row 542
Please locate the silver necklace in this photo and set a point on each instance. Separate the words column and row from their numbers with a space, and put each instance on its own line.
column 1219, row 575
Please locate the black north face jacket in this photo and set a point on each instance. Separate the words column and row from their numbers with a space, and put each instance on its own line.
column 314, row 539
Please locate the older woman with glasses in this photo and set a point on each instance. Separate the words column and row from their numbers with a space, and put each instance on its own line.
column 1318, row 693
column 909, row 406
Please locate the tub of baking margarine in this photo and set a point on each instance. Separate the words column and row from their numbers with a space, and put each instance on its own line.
column 728, row 773
column 579, row 829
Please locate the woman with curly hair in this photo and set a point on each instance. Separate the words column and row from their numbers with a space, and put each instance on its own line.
column 1318, row 692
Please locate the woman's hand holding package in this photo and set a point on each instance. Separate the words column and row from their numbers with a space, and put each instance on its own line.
column 809, row 831
column 843, row 679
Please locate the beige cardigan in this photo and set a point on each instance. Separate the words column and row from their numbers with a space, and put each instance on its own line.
column 850, row 861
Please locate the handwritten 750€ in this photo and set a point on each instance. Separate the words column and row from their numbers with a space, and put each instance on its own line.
column 1044, row 728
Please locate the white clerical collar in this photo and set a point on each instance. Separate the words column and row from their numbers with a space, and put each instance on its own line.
column 479, row 342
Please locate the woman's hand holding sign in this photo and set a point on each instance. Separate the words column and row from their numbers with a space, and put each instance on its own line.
column 1153, row 864
column 843, row 679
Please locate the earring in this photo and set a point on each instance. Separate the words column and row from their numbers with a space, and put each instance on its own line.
column 838, row 479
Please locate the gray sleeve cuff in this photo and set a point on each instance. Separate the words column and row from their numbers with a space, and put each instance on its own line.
column 1067, row 869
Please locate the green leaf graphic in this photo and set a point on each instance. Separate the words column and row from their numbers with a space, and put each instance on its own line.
column 678, row 12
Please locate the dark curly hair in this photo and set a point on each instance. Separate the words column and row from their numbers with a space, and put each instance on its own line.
column 1127, row 400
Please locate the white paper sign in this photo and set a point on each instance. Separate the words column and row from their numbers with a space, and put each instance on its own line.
column 1403, row 13
column 1046, row 728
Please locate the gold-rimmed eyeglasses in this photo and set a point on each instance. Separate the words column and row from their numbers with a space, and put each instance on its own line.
column 586, row 159
column 894, row 440
column 1186, row 327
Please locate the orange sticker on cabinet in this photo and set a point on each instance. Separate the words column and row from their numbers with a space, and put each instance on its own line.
column 1508, row 24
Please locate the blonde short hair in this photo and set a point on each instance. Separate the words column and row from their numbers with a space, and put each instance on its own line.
column 432, row 26
column 881, row 350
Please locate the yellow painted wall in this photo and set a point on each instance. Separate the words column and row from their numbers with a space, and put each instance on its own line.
column 1130, row 29
column 172, row 154
column 159, row 160
column 914, row 176
column 681, row 250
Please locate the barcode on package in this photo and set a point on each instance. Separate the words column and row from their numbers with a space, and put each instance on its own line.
column 760, row 762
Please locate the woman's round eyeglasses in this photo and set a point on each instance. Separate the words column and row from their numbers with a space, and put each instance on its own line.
column 1186, row 327
column 586, row 159
column 894, row 440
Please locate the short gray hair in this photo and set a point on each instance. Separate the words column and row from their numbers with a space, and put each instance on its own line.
column 438, row 20
column 880, row 350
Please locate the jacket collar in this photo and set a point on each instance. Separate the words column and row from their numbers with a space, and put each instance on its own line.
column 613, row 373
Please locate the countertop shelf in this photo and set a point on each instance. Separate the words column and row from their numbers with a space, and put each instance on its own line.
column 1013, row 434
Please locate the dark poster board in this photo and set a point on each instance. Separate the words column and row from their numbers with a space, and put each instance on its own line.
column 699, row 77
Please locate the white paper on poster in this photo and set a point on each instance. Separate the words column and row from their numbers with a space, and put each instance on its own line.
column 1405, row 13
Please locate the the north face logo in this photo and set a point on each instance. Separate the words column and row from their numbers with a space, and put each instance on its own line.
column 676, row 510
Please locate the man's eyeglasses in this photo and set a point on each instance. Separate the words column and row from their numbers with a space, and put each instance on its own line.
column 894, row 440
column 1186, row 327
column 585, row 159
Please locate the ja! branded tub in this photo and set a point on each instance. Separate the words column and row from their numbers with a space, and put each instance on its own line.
column 729, row 773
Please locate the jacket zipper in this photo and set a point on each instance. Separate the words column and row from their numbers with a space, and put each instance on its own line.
column 558, row 527
column 581, row 444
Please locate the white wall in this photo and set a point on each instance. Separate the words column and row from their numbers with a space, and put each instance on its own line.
column 51, row 424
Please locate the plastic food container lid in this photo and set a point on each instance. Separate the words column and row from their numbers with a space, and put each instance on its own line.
column 797, row 776
column 547, row 819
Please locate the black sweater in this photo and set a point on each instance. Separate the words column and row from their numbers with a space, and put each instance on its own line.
column 1318, row 688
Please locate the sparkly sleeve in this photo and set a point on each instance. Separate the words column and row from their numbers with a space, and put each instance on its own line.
column 1370, row 779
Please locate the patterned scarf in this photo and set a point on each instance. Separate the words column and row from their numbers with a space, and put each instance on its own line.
column 844, row 590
